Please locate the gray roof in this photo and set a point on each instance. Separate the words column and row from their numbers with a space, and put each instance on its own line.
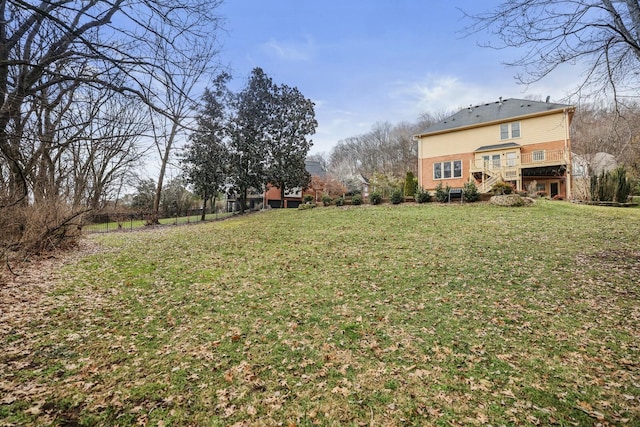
column 503, row 110
column 314, row 168
column 497, row 146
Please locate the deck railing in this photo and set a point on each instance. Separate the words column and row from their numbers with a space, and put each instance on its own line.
column 543, row 157
column 510, row 166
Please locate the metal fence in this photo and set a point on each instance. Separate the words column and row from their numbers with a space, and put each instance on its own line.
column 106, row 222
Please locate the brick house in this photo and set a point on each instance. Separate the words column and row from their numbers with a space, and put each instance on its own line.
column 522, row 142
column 293, row 198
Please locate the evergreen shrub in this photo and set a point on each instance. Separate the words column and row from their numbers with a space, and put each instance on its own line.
column 442, row 193
column 422, row 195
column 470, row 191
column 375, row 198
column 396, row 196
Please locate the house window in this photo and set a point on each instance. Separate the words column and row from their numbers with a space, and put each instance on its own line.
column 446, row 170
column 496, row 160
column 504, row 131
column 538, row 156
column 515, row 130
column 446, row 166
column 541, row 187
column 511, row 159
column 514, row 127
column 457, row 168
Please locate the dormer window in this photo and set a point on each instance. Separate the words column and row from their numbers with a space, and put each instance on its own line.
column 510, row 130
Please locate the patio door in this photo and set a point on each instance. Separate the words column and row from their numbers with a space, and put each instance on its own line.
column 554, row 189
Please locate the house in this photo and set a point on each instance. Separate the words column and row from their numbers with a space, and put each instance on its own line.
column 522, row 142
column 585, row 165
column 293, row 198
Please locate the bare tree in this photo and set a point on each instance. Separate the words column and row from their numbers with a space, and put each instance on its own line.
column 604, row 36
column 51, row 50
column 174, row 92
column 104, row 156
column 607, row 129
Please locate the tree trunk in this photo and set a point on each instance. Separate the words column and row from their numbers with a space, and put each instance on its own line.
column 204, row 208
column 283, row 203
column 163, row 169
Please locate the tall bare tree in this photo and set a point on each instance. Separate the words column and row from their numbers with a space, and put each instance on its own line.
column 175, row 92
column 604, row 36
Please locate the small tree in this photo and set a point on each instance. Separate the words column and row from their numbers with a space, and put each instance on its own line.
column 622, row 185
column 410, row 185
column 442, row 193
column 470, row 191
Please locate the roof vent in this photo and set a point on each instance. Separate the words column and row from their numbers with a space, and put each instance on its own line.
column 548, row 98
column 500, row 100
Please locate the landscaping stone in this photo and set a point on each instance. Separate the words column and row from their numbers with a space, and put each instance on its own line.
column 511, row 200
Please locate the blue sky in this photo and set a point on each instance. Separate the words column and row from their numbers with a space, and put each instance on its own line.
column 365, row 61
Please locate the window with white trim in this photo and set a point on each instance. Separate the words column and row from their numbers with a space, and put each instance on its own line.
column 538, row 156
column 515, row 130
column 447, row 170
column 510, row 130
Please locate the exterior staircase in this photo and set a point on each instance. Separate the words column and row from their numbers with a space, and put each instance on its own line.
column 490, row 178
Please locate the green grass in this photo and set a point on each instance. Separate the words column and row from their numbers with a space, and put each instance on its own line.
column 387, row 315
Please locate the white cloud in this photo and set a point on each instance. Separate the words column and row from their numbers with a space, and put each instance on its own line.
column 290, row 51
column 438, row 93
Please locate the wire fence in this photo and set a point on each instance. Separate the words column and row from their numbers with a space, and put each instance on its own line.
column 107, row 222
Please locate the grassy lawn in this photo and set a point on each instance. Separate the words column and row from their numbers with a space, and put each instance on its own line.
column 387, row 315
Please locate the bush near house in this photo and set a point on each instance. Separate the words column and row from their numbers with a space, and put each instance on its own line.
column 326, row 199
column 396, row 197
column 375, row 198
column 470, row 192
column 339, row 201
column 356, row 200
column 442, row 193
column 422, row 195
column 611, row 186
column 501, row 187
column 308, row 198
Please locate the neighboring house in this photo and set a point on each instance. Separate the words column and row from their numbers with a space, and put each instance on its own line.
column 253, row 202
column 293, row 198
column 523, row 142
column 585, row 165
